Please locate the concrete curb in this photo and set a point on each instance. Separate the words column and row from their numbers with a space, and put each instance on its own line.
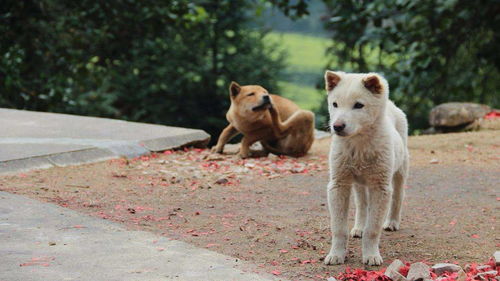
column 40, row 140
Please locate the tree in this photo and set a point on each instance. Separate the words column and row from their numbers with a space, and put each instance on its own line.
column 431, row 51
column 167, row 62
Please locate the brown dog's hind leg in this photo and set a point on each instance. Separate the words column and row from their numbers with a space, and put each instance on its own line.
column 227, row 134
column 300, row 118
column 298, row 129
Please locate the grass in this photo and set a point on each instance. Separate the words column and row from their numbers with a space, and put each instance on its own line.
column 306, row 97
column 305, row 51
column 306, row 62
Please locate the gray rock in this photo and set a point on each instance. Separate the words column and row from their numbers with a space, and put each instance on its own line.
column 392, row 271
column 454, row 114
column 440, row 268
column 419, row 271
column 331, row 279
column 496, row 256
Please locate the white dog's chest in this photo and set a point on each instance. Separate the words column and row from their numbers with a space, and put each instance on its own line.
column 361, row 170
column 360, row 165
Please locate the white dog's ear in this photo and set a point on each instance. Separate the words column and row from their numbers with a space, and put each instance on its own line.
column 234, row 89
column 373, row 84
column 332, row 79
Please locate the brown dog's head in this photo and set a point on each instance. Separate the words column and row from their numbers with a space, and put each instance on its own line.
column 250, row 99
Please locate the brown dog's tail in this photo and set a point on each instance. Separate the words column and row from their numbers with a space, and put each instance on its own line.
column 277, row 151
column 271, row 148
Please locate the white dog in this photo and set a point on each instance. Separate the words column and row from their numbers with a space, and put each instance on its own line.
column 369, row 153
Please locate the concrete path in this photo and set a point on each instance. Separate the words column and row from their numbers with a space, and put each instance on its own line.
column 33, row 140
column 40, row 241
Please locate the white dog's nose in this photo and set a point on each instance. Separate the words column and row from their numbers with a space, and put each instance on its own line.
column 338, row 126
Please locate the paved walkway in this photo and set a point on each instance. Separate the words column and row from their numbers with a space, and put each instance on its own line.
column 40, row 241
column 33, row 140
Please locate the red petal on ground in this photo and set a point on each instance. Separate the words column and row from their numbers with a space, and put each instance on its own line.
column 492, row 115
column 78, row 226
column 404, row 270
column 474, row 236
column 276, row 272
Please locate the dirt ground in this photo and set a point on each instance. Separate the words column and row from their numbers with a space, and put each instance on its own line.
column 272, row 211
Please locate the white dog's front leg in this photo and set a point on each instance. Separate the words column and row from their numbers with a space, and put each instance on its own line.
column 360, row 199
column 379, row 198
column 338, row 204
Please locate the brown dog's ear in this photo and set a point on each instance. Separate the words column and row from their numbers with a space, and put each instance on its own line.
column 372, row 83
column 331, row 80
column 234, row 89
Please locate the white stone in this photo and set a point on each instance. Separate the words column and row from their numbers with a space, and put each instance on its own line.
column 481, row 267
column 392, row 271
column 440, row 268
column 496, row 256
column 434, row 161
column 481, row 274
column 419, row 271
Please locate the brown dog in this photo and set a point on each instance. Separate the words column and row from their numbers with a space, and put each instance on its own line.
column 258, row 116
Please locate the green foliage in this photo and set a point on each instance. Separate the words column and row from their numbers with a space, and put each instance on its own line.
column 310, row 25
column 431, row 51
column 164, row 62
column 293, row 9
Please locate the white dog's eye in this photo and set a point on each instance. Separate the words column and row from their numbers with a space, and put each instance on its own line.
column 335, row 104
column 251, row 94
column 358, row 105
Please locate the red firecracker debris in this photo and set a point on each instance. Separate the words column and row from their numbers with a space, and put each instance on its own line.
column 276, row 272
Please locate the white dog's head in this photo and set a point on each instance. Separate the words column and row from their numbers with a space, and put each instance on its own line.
column 355, row 101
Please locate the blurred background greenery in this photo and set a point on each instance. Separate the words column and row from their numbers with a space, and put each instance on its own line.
column 170, row 62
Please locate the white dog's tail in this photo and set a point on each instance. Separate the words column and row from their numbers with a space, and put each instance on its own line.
column 399, row 120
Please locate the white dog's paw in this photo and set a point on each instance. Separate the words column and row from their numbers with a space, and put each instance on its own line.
column 391, row 225
column 373, row 259
column 334, row 259
column 356, row 232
